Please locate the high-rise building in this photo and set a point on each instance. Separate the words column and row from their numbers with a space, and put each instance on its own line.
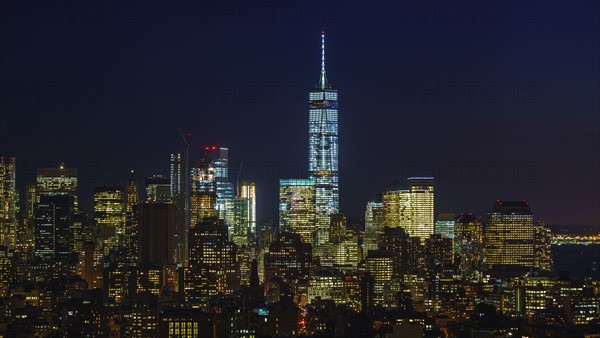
column 421, row 190
column 439, row 254
column 543, row 247
column 237, row 220
column 158, row 189
column 180, row 194
column 53, row 236
column 131, row 218
column 509, row 235
column 203, row 191
column 212, row 266
column 444, row 225
column 224, row 188
column 410, row 207
column 28, row 210
column 289, row 258
column 28, row 221
column 374, row 223
column 6, row 258
column 394, row 240
column 8, row 203
column 110, row 215
column 337, row 227
column 156, row 230
column 323, row 148
column 57, row 181
column 468, row 244
column 297, row 207
column 380, row 264
column 397, row 201
column 248, row 191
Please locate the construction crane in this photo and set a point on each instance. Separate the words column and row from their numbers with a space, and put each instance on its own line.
column 183, row 136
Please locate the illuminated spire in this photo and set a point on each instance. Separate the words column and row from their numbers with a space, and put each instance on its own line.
column 323, row 79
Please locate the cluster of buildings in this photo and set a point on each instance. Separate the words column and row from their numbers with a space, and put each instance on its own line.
column 189, row 258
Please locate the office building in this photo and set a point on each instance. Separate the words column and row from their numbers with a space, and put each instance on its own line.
column 53, row 236
column 131, row 217
column 422, row 223
column 203, row 191
column 180, row 194
column 224, row 188
column 289, row 258
column 110, row 216
column 297, row 207
column 510, row 235
column 156, row 234
column 323, row 148
column 468, row 244
column 158, row 189
column 248, row 191
column 8, row 203
column 444, row 225
column 57, row 181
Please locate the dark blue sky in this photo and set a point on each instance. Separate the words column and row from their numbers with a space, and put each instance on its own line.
column 498, row 100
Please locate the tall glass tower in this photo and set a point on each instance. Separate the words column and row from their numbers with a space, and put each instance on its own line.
column 323, row 147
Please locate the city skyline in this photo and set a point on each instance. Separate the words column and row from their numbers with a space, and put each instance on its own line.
column 454, row 176
column 266, row 169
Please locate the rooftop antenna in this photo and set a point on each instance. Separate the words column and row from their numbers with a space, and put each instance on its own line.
column 323, row 79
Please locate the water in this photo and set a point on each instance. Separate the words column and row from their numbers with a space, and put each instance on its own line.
column 578, row 260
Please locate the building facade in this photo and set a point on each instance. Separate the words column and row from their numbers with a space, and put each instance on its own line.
column 323, row 148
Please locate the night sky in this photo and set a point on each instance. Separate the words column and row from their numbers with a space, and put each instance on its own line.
column 497, row 100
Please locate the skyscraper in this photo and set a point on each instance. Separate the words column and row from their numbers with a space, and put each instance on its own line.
column 237, row 220
column 212, row 262
column 131, row 218
column 180, row 194
column 543, row 247
column 374, row 223
column 110, row 216
column 398, row 211
column 8, row 212
column 421, row 190
column 53, row 236
column 203, row 191
column 297, row 207
column 509, row 235
column 156, row 226
column 248, row 191
column 410, row 207
column 444, row 225
column 158, row 189
column 224, row 188
column 323, row 148
column 468, row 239
column 28, row 219
column 57, row 181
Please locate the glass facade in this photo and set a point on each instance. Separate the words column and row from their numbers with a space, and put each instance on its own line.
column 445, row 225
column 202, row 191
column 323, row 147
column 224, row 187
column 297, row 207
column 248, row 191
